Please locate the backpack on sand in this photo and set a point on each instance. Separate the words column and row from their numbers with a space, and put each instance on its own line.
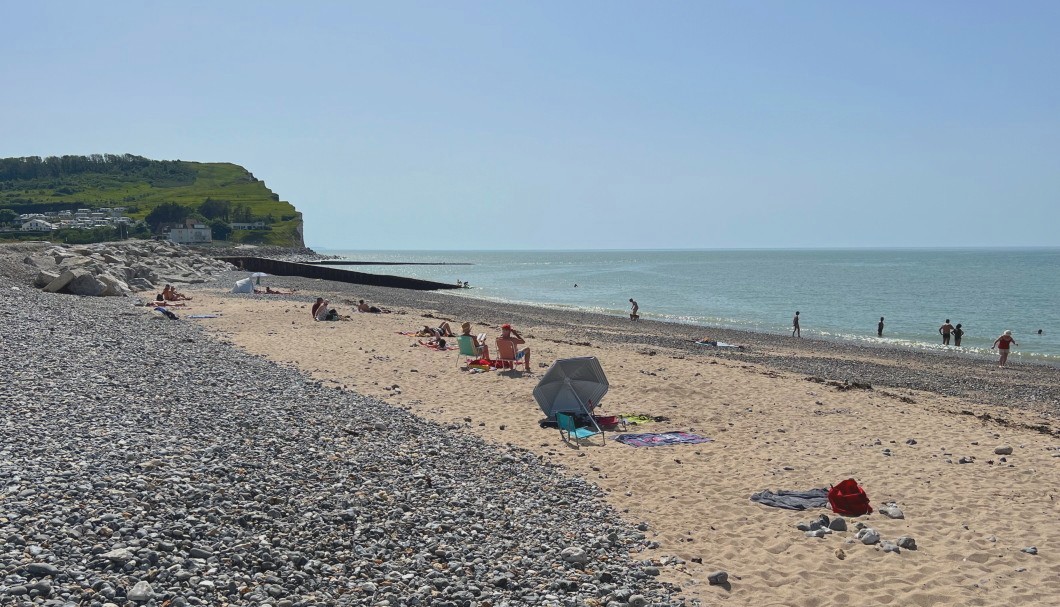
column 848, row 498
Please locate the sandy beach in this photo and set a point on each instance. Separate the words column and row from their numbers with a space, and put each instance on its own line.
column 779, row 415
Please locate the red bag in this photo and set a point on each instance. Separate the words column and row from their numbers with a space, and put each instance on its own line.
column 849, row 498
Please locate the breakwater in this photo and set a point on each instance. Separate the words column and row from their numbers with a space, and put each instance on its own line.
column 305, row 270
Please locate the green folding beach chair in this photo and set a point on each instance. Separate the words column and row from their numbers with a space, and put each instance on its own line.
column 467, row 348
column 568, row 429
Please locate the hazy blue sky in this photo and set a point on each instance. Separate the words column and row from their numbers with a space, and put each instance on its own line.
column 545, row 125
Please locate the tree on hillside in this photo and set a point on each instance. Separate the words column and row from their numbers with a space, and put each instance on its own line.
column 220, row 230
column 215, row 209
column 242, row 214
column 7, row 215
column 168, row 212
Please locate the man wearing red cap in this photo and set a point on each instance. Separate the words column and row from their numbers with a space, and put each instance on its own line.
column 510, row 334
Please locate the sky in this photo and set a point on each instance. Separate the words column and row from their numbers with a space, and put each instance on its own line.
column 571, row 125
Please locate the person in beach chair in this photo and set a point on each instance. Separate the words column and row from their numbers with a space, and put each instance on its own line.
column 471, row 345
column 508, row 348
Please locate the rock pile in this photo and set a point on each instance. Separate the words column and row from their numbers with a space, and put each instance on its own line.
column 214, row 477
column 119, row 268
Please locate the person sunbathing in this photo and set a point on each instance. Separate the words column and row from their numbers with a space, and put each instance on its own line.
column 170, row 294
column 270, row 291
column 481, row 349
column 159, row 302
column 363, row 307
column 443, row 330
column 321, row 311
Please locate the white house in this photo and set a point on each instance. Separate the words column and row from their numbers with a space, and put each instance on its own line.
column 37, row 225
column 257, row 225
column 193, row 233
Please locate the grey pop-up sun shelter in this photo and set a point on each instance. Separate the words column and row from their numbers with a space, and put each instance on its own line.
column 572, row 385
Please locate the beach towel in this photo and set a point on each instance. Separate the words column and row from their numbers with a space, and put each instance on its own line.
column 166, row 313
column 792, row 500
column 718, row 344
column 655, row 439
column 204, row 316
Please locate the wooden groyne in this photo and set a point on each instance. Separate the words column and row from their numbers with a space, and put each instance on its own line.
column 305, row 270
column 345, row 262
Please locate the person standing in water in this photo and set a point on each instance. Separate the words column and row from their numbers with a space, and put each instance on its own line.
column 633, row 310
column 795, row 325
column 945, row 331
column 958, row 333
column 1002, row 344
column 879, row 328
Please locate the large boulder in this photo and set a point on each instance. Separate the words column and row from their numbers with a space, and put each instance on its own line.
column 86, row 284
column 141, row 284
column 113, row 286
column 41, row 262
column 44, row 278
column 64, row 279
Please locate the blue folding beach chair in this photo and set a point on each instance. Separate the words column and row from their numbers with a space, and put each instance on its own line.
column 568, row 429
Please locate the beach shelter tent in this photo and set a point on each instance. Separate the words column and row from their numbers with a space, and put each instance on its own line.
column 571, row 385
column 244, row 286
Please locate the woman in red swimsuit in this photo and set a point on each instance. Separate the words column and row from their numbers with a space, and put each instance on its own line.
column 1002, row 344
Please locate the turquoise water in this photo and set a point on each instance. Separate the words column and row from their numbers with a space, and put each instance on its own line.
column 841, row 294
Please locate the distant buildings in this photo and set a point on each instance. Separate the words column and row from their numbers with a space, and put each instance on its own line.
column 82, row 219
column 38, row 225
column 257, row 225
column 192, row 232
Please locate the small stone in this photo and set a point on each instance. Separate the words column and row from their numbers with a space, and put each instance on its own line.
column 1030, row 550
column 838, row 524
column 906, row 542
column 965, row 460
column 892, row 511
column 910, row 441
column 141, row 592
column 120, row 555
column 1003, row 450
column 574, row 555
column 41, row 569
column 43, row 588
column 637, row 600
column 889, row 546
column 839, row 554
column 718, row 578
column 868, row 536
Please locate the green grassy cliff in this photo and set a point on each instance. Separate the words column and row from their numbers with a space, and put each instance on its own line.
column 36, row 185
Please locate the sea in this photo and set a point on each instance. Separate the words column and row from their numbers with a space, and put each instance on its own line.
column 840, row 294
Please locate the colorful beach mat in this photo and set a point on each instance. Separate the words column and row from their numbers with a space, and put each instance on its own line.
column 656, row 439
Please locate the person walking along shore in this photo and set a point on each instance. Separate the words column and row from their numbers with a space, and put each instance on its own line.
column 1002, row 344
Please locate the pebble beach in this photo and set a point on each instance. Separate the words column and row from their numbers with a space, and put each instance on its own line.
column 260, row 457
